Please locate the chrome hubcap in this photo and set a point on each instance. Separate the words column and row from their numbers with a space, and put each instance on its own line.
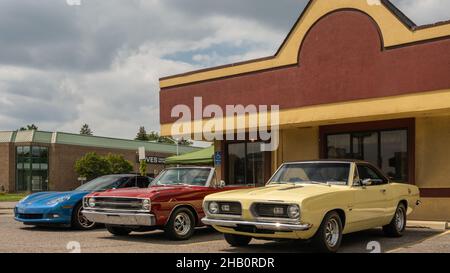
column 332, row 232
column 182, row 224
column 84, row 222
column 399, row 219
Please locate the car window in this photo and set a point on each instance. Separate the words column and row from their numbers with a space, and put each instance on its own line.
column 368, row 172
column 322, row 172
column 143, row 182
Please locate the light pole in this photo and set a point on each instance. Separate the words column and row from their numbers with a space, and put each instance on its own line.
column 177, row 142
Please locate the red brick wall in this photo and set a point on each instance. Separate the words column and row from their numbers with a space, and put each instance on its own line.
column 341, row 59
column 7, row 164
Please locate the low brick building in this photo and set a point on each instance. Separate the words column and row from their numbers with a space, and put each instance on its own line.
column 39, row 161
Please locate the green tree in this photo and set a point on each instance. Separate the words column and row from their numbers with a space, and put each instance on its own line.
column 142, row 134
column 154, row 136
column 85, row 130
column 92, row 166
column 29, row 127
column 143, row 167
column 118, row 164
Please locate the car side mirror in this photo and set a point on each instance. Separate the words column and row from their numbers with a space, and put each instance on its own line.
column 222, row 184
column 366, row 182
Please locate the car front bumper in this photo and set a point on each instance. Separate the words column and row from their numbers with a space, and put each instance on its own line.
column 258, row 225
column 43, row 215
column 121, row 218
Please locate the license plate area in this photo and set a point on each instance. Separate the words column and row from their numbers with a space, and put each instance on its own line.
column 252, row 229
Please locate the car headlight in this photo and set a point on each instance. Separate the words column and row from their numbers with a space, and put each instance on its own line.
column 58, row 200
column 213, row 208
column 146, row 204
column 91, row 202
column 293, row 211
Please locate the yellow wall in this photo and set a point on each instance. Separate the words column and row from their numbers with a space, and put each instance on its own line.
column 296, row 144
column 433, row 152
column 432, row 209
column 433, row 165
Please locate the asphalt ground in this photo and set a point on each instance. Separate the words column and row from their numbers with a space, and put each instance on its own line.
column 18, row 238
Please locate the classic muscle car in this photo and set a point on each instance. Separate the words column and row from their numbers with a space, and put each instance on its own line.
column 316, row 200
column 173, row 203
column 64, row 208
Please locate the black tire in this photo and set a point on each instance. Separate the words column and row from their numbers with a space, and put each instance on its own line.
column 181, row 225
column 79, row 221
column 237, row 240
column 398, row 223
column 327, row 239
column 118, row 231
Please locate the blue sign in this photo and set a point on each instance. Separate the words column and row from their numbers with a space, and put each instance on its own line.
column 217, row 158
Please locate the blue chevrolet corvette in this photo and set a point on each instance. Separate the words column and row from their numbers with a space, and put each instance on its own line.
column 64, row 208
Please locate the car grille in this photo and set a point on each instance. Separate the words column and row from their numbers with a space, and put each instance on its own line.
column 30, row 216
column 230, row 208
column 270, row 210
column 114, row 203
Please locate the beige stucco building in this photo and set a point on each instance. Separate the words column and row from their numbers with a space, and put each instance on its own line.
column 352, row 80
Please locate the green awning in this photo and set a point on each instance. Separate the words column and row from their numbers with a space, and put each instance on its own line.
column 204, row 156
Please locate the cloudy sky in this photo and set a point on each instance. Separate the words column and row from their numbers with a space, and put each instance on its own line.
column 99, row 63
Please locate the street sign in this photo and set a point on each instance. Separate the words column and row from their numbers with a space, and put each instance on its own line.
column 141, row 153
column 217, row 158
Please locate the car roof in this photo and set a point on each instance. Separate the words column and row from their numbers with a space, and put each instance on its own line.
column 330, row 160
column 125, row 175
column 190, row 167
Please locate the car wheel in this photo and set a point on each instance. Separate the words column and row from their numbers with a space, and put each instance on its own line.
column 118, row 231
column 79, row 221
column 398, row 223
column 237, row 240
column 181, row 225
column 329, row 235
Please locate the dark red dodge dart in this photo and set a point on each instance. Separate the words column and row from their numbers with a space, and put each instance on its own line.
column 173, row 203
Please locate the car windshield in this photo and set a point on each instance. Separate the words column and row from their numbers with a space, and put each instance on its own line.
column 103, row 183
column 183, row 176
column 328, row 172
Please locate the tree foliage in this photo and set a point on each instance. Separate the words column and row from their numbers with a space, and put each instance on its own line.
column 143, row 167
column 119, row 164
column 155, row 137
column 142, row 134
column 85, row 130
column 92, row 165
column 29, row 127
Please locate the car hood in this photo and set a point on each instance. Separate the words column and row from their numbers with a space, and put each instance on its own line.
column 146, row 192
column 285, row 192
column 42, row 198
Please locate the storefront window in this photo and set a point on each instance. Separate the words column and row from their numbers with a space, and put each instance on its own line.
column 246, row 163
column 32, row 168
column 386, row 149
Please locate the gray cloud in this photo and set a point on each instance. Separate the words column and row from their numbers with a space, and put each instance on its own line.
column 99, row 63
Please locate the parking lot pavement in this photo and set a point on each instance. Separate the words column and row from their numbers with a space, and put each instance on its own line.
column 16, row 237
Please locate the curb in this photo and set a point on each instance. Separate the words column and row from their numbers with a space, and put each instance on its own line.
column 442, row 226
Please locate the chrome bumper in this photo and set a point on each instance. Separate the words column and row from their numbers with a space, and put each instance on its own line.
column 120, row 218
column 259, row 225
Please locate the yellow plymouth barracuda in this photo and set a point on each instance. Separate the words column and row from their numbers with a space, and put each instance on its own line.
column 313, row 200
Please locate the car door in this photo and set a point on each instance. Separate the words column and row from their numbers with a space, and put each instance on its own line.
column 370, row 203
